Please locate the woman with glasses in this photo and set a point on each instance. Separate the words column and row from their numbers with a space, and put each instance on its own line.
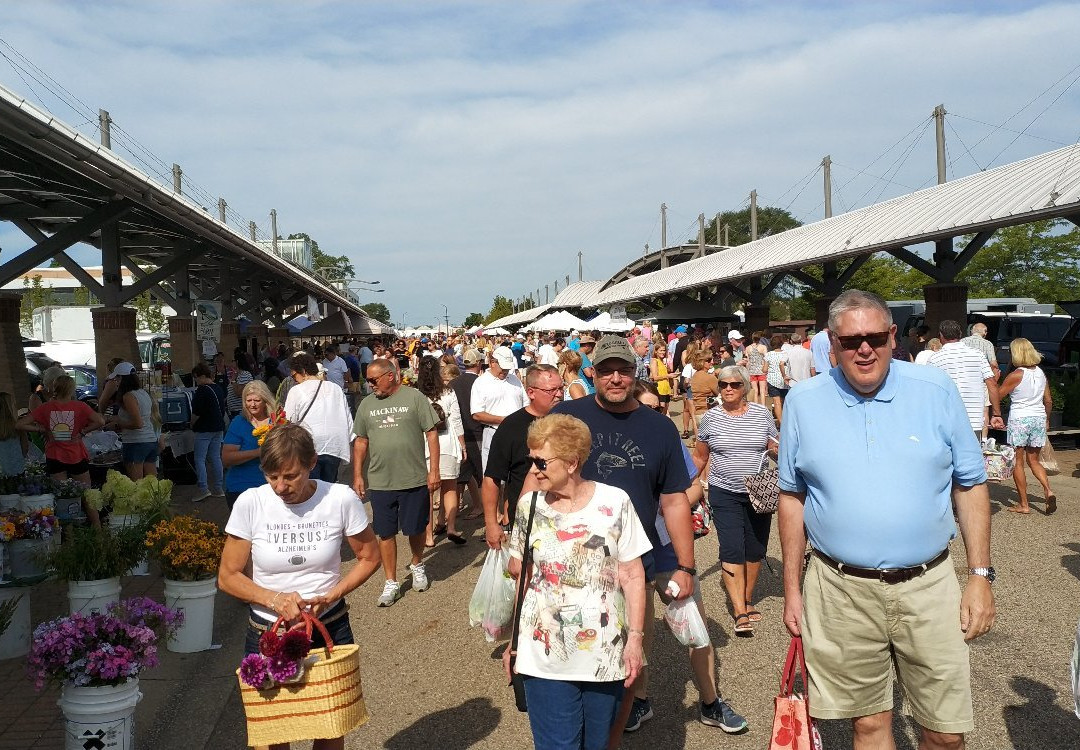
column 429, row 381
column 581, row 622
column 733, row 440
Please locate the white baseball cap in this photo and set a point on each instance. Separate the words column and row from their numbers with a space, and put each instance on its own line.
column 734, row 334
column 505, row 358
column 122, row 369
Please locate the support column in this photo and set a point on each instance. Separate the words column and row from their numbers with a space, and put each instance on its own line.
column 230, row 337
column 757, row 318
column 114, row 332
column 945, row 301
column 257, row 332
column 182, row 337
column 821, row 312
column 13, row 376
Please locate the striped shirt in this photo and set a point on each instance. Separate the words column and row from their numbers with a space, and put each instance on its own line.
column 736, row 444
column 969, row 369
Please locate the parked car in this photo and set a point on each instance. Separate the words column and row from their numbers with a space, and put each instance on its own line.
column 86, row 383
column 1046, row 332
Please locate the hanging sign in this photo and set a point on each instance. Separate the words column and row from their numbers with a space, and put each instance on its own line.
column 313, row 309
column 618, row 313
column 207, row 320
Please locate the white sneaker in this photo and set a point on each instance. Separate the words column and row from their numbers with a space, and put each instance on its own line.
column 391, row 592
column 420, row 580
column 202, row 495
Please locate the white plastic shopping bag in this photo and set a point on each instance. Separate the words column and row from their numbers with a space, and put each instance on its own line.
column 492, row 602
column 684, row 619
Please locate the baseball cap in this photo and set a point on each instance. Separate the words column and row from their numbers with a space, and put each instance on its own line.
column 504, row 357
column 471, row 357
column 734, row 334
column 680, row 329
column 124, row 368
column 586, row 339
column 613, row 347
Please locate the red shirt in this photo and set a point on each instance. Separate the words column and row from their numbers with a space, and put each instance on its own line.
column 65, row 421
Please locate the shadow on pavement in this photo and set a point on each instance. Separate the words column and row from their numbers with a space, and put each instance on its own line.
column 1071, row 563
column 1039, row 723
column 460, row 726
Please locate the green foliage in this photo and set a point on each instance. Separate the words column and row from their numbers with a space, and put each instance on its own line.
column 1030, row 260
column 473, row 319
column 500, row 307
column 771, row 221
column 7, row 612
column 35, row 295
column 341, row 263
column 148, row 314
column 377, row 310
column 90, row 554
column 81, row 296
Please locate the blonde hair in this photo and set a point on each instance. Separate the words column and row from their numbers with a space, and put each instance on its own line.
column 63, row 387
column 155, row 415
column 260, row 389
column 1023, row 353
column 50, row 376
column 450, row 370
column 569, row 437
column 284, row 445
column 7, row 416
column 569, row 361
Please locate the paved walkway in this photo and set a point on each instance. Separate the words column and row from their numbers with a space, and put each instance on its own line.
column 431, row 682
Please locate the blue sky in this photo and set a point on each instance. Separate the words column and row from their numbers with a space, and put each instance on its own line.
column 460, row 150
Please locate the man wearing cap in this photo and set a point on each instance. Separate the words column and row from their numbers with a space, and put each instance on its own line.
column 585, row 348
column 638, row 451
column 496, row 395
column 736, row 342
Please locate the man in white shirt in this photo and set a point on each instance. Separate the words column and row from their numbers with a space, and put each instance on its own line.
column 322, row 410
column 337, row 371
column 548, row 354
column 971, row 372
column 496, row 394
column 800, row 360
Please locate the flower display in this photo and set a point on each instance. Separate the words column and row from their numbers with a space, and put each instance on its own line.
column 7, row 529
column 276, row 420
column 94, row 499
column 146, row 497
column 280, row 659
column 39, row 524
column 34, row 484
column 187, row 548
column 68, row 489
column 96, row 650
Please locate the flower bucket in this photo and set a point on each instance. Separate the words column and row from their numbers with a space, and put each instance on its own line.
column 10, row 502
column 120, row 521
column 92, row 597
column 15, row 642
column 100, row 717
column 196, row 600
column 30, row 503
column 28, row 557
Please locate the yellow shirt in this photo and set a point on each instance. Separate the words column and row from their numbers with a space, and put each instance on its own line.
column 663, row 385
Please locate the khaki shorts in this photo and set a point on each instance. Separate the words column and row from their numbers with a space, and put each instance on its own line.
column 855, row 630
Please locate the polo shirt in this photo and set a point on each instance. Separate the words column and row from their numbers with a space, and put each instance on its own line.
column 820, row 346
column 336, row 370
column 979, row 344
column 969, row 370
column 878, row 472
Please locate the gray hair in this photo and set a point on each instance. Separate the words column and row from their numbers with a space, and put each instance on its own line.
column 534, row 372
column 734, row 371
column 856, row 299
column 796, row 338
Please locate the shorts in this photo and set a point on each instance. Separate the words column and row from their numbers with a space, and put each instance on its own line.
column 336, row 620
column 856, row 629
column 56, row 466
column 406, row 511
column 449, row 466
column 1027, row 432
column 741, row 532
column 757, row 378
column 779, row 393
column 471, row 467
column 140, row 453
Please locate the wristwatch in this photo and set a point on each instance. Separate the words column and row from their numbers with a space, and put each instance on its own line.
column 988, row 573
column 688, row 570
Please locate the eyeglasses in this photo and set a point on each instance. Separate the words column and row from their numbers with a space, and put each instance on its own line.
column 852, row 343
column 549, row 391
column 626, row 372
column 733, row 384
column 542, row 463
column 375, row 380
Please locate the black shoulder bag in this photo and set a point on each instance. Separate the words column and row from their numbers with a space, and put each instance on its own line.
column 526, row 558
column 314, row 396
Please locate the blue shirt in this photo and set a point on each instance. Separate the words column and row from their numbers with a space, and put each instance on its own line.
column 664, row 557
column 590, row 389
column 820, row 346
column 243, row 476
column 878, row 472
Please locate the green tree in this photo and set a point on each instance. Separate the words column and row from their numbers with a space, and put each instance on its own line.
column 343, row 267
column 771, row 220
column 1029, row 260
column 35, row 295
column 473, row 319
column 148, row 314
column 81, row 296
column 377, row 310
column 500, row 307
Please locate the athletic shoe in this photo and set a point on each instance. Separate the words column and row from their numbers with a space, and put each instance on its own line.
column 639, row 714
column 720, row 714
column 217, row 493
column 420, row 580
column 202, row 495
column 391, row 592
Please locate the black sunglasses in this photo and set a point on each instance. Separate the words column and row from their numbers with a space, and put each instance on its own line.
column 876, row 340
column 375, row 380
column 541, row 463
column 736, row 384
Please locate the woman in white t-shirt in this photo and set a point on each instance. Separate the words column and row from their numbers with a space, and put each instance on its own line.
column 580, row 626
column 320, row 406
column 289, row 532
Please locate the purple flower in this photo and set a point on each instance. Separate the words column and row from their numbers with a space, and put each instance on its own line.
column 283, row 669
column 254, row 670
column 294, row 646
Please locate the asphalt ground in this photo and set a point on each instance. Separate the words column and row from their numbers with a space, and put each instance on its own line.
column 431, row 681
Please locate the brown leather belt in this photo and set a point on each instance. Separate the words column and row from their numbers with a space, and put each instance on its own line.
column 885, row 575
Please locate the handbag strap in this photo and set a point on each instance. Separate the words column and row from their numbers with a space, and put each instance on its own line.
column 311, row 403
column 526, row 558
column 796, row 660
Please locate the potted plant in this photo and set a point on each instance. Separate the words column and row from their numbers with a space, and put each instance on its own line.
column 189, row 551
column 97, row 660
column 131, row 500
column 68, row 494
column 32, row 539
column 35, row 489
column 92, row 560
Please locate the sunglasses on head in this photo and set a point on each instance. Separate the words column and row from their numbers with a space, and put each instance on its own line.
column 736, row 384
column 852, row 343
column 541, row 463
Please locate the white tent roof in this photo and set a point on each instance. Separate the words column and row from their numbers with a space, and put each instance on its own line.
column 557, row 321
column 516, row 319
column 603, row 322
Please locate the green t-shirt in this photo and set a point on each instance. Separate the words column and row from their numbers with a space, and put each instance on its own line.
column 394, row 427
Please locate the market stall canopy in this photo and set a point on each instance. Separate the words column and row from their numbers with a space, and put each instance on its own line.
column 603, row 322
column 557, row 321
column 299, row 323
column 496, row 331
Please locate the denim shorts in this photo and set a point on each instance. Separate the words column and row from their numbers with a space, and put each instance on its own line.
column 140, row 453
column 338, row 627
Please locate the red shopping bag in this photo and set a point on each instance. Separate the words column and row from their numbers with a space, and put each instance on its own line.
column 792, row 728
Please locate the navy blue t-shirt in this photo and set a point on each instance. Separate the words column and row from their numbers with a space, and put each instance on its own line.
column 639, row 452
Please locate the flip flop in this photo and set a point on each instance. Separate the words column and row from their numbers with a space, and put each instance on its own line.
column 1051, row 505
column 753, row 615
column 1021, row 511
column 456, row 538
column 741, row 628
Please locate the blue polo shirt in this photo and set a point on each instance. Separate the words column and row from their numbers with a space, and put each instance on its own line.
column 878, row 472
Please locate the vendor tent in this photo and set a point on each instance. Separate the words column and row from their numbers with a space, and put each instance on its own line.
column 603, row 322
column 299, row 323
column 557, row 321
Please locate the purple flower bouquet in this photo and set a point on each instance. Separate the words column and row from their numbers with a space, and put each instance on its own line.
column 280, row 659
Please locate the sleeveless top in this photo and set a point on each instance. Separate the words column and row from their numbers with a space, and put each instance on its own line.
column 146, row 433
column 754, row 359
column 1027, row 397
column 663, row 385
column 566, row 393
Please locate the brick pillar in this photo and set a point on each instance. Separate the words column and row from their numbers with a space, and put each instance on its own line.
column 230, row 336
column 757, row 319
column 114, row 332
column 821, row 312
column 14, row 378
column 182, row 338
column 945, row 302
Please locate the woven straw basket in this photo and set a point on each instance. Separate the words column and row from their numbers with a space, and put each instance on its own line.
column 328, row 703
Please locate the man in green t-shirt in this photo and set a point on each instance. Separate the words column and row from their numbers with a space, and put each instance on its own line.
column 391, row 427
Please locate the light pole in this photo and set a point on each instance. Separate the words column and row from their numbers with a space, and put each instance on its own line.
column 446, row 317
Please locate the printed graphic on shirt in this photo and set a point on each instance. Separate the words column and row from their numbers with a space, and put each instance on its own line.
column 61, row 424
column 612, row 451
column 297, row 538
column 388, row 417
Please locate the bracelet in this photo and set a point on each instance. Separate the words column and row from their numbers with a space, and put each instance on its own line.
column 272, row 601
column 686, row 569
column 637, row 632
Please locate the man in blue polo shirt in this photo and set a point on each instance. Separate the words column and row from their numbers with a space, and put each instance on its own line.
column 873, row 457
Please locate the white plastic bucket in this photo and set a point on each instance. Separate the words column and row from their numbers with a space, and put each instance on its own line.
column 30, row 503
column 15, row 641
column 92, row 597
column 118, row 521
column 196, row 600
column 27, row 557
column 100, row 717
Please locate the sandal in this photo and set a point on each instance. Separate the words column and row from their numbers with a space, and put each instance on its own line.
column 439, row 530
column 753, row 615
column 685, row 434
column 743, row 626
column 1051, row 505
column 456, row 538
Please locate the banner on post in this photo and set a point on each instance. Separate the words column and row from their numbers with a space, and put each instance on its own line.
column 618, row 313
column 207, row 320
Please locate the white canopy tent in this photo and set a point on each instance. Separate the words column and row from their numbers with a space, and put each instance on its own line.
column 557, row 321
column 496, row 331
column 603, row 322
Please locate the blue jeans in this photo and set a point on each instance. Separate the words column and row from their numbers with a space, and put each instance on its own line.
column 208, row 445
column 568, row 715
column 326, row 469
